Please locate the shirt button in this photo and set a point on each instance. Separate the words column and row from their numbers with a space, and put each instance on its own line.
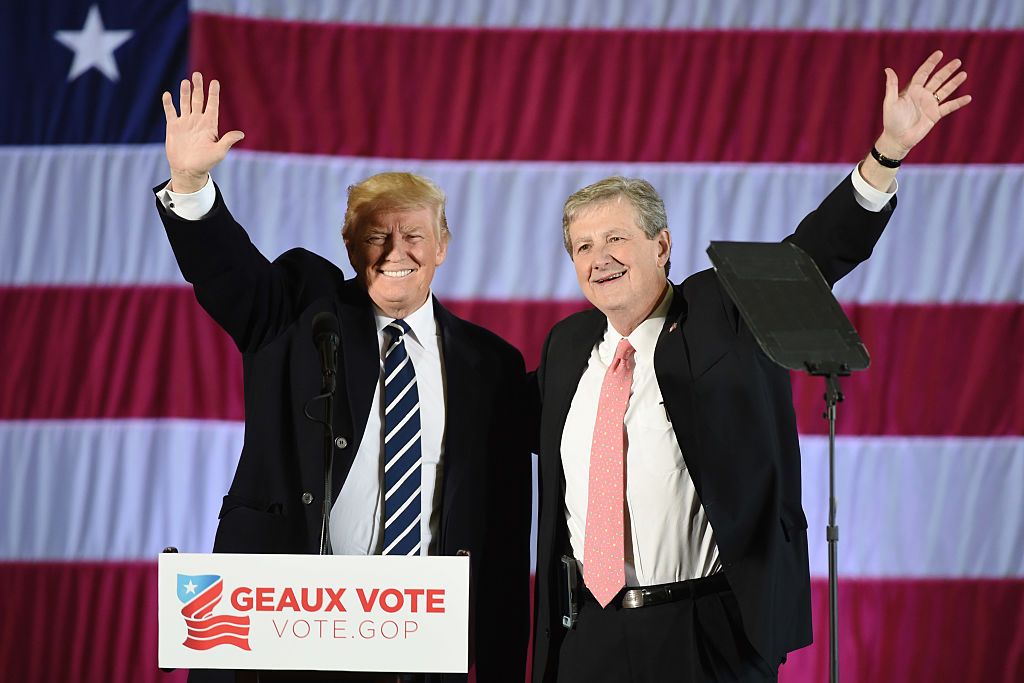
column 341, row 442
column 307, row 498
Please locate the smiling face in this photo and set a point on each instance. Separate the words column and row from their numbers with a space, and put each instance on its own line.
column 620, row 270
column 395, row 254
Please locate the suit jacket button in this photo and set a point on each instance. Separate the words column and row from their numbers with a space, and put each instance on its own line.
column 341, row 442
column 307, row 498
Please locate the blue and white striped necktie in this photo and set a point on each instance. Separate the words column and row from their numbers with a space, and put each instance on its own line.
column 402, row 449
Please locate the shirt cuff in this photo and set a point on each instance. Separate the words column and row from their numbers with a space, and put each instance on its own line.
column 869, row 197
column 191, row 206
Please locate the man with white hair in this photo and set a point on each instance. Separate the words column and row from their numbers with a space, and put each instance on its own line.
column 669, row 461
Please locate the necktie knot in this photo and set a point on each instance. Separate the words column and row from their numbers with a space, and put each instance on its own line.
column 624, row 353
column 397, row 328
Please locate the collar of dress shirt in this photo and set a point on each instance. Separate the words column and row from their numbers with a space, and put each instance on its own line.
column 422, row 325
column 645, row 337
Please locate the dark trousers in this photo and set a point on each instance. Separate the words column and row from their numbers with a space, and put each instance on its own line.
column 693, row 640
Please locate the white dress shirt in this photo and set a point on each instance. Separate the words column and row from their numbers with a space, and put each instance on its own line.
column 668, row 536
column 356, row 518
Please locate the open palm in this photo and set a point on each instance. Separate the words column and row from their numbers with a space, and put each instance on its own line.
column 192, row 143
column 908, row 116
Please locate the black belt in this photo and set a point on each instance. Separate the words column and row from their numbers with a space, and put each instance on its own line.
column 645, row 596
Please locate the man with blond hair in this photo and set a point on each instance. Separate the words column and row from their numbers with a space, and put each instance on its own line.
column 669, row 461
column 429, row 454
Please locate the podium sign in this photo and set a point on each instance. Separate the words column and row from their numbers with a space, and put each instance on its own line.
column 311, row 612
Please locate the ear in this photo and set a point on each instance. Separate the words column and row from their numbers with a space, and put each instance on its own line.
column 442, row 250
column 664, row 247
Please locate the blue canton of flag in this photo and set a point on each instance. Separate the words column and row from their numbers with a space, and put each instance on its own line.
column 89, row 71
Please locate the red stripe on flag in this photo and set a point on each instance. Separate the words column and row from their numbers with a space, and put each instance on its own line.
column 89, row 622
column 935, row 370
column 632, row 95
column 893, row 629
column 114, row 352
column 152, row 352
column 917, row 630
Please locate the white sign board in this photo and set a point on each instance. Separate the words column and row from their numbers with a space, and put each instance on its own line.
column 330, row 613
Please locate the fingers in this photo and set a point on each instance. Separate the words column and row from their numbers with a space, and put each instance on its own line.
column 951, row 106
column 230, row 139
column 892, row 88
column 197, row 93
column 942, row 75
column 923, row 71
column 950, row 86
column 170, row 113
column 185, row 98
column 213, row 102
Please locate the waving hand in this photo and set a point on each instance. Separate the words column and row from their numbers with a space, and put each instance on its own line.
column 192, row 144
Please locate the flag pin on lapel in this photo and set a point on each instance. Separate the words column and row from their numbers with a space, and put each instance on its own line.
column 672, row 327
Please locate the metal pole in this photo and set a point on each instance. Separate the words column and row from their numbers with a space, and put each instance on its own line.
column 832, row 397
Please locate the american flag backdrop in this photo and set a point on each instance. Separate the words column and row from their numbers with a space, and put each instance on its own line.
column 120, row 401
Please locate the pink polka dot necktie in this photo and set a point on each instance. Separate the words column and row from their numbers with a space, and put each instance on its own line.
column 603, row 545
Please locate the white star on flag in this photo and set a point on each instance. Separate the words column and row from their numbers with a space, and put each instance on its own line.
column 93, row 46
column 190, row 587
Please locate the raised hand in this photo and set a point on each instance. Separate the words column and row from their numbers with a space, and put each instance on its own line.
column 192, row 144
column 908, row 116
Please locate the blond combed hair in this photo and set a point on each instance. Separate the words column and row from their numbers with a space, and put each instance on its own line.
column 394, row 191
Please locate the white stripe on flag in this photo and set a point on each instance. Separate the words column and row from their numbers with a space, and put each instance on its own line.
column 522, row 201
column 908, row 506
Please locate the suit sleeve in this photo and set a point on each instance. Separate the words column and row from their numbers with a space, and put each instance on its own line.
column 840, row 233
column 247, row 295
column 504, row 584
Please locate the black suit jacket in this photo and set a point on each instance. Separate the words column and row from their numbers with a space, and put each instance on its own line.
column 268, row 308
column 732, row 412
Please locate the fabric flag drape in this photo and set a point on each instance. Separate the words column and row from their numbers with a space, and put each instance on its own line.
column 121, row 402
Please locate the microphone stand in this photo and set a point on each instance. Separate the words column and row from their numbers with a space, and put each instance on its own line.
column 833, row 396
column 327, row 390
column 328, row 424
column 797, row 322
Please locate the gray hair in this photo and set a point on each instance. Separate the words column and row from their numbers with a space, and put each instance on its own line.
column 647, row 205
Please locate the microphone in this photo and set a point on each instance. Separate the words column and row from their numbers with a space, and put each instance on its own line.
column 326, row 337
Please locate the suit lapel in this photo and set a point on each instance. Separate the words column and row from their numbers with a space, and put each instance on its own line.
column 675, row 379
column 563, row 367
column 361, row 362
column 461, row 363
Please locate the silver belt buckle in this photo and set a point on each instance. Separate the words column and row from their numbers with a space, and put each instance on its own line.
column 633, row 598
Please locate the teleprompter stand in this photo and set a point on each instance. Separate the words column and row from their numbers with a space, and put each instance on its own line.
column 799, row 325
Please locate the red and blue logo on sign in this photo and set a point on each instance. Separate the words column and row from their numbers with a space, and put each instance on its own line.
column 200, row 595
